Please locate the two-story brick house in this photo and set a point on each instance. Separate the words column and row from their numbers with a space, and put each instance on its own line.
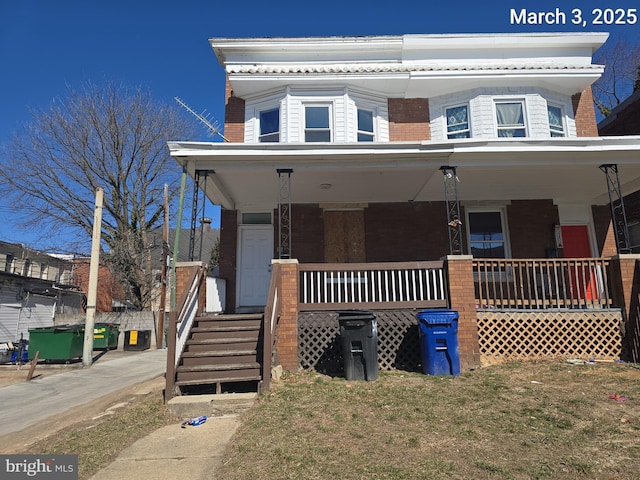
column 365, row 123
column 408, row 148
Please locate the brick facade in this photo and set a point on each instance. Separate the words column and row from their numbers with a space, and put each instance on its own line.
column 605, row 236
column 624, row 119
column 625, row 289
column 287, row 333
column 532, row 227
column 108, row 288
column 228, row 254
column 585, row 114
column 462, row 299
column 307, row 238
column 184, row 274
column 398, row 232
column 233, row 116
column 409, row 120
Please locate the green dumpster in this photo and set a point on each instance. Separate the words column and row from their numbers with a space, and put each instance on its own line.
column 64, row 342
column 105, row 336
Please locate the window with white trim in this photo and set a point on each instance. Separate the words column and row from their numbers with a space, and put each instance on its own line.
column 556, row 121
column 269, row 125
column 510, row 119
column 317, row 123
column 365, row 125
column 487, row 234
column 458, row 122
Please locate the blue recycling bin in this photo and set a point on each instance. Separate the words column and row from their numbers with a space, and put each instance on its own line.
column 439, row 342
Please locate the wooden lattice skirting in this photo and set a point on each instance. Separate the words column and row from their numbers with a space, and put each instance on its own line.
column 320, row 348
column 580, row 334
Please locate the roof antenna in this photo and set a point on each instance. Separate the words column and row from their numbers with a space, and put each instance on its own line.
column 211, row 125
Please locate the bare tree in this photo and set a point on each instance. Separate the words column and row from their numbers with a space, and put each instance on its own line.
column 621, row 59
column 98, row 136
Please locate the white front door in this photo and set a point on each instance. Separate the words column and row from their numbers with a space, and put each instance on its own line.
column 254, row 265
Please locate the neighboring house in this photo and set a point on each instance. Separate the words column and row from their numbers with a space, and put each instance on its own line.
column 625, row 120
column 338, row 147
column 34, row 288
column 110, row 296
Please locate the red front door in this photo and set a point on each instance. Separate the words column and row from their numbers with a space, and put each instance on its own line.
column 575, row 243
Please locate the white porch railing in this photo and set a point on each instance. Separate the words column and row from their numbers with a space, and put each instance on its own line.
column 327, row 286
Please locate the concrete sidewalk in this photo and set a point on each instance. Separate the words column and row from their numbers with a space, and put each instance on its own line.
column 193, row 453
column 28, row 403
column 170, row 452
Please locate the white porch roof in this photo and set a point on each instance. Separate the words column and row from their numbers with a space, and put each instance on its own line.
column 244, row 176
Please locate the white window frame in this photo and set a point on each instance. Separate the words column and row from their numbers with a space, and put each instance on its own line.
column 263, row 103
column 373, row 132
column 563, row 132
column 446, row 121
column 503, row 221
column 259, row 124
column 242, row 213
column 634, row 226
column 525, row 117
column 303, row 124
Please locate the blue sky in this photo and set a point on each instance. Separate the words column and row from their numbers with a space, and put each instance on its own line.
column 46, row 45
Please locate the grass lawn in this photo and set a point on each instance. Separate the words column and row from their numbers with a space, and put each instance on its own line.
column 515, row 421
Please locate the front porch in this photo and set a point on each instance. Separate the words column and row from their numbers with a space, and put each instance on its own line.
column 542, row 309
column 508, row 310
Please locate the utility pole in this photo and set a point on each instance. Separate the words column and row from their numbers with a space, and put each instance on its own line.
column 163, row 274
column 87, row 351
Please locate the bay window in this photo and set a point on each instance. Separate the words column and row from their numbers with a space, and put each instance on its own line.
column 510, row 117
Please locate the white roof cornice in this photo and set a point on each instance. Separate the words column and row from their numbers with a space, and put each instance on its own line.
column 412, row 65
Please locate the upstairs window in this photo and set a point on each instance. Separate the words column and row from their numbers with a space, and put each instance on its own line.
column 486, row 235
column 365, row 126
column 510, row 119
column 270, row 125
column 556, row 124
column 458, row 122
column 317, row 127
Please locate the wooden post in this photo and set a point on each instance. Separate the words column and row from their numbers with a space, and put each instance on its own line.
column 34, row 362
column 170, row 375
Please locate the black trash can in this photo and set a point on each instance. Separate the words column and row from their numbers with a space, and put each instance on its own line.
column 137, row 339
column 359, row 334
column 439, row 342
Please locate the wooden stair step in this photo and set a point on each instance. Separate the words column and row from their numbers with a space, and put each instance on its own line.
column 220, row 353
column 231, row 317
column 218, row 368
column 222, row 328
column 217, row 341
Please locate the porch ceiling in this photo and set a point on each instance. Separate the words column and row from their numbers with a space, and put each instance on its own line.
column 245, row 176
